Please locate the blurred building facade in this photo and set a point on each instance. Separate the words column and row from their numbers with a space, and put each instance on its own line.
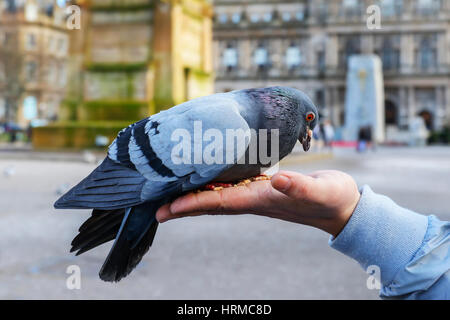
column 306, row 44
column 130, row 59
column 33, row 54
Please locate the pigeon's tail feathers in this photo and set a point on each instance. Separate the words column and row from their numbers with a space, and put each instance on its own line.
column 101, row 227
column 133, row 240
column 110, row 186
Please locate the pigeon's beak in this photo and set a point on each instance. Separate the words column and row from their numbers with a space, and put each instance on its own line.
column 306, row 140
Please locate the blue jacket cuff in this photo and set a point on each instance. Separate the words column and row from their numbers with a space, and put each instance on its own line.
column 381, row 233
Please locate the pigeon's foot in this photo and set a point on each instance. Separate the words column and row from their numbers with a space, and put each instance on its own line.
column 216, row 186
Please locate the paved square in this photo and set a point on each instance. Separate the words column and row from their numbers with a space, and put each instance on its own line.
column 242, row 257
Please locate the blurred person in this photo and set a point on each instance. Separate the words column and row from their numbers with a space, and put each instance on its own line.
column 411, row 250
column 328, row 133
column 365, row 139
column 318, row 139
column 418, row 131
column 361, row 143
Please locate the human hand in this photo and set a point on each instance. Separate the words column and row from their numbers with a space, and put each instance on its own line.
column 323, row 199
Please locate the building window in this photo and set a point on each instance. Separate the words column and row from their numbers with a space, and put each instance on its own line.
column 321, row 65
column 351, row 8
column 267, row 17
column 427, row 7
column 6, row 39
column 390, row 55
column 30, row 110
column 236, row 18
column 293, row 57
column 230, row 58
column 254, row 17
column 62, row 76
column 62, row 47
column 31, row 12
column 321, row 11
column 223, row 18
column 320, row 98
column 300, row 15
column 427, row 53
column 390, row 113
column 31, row 41
column 350, row 4
column 286, row 16
column 391, row 8
column 52, row 73
column 11, row 5
column 261, row 57
column 348, row 46
column 51, row 44
column 31, row 71
column 61, row 3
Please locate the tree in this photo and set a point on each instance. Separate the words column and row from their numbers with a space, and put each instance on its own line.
column 12, row 85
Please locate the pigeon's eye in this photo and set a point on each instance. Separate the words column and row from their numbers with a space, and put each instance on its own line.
column 310, row 116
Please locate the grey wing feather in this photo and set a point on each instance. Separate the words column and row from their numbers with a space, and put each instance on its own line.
column 109, row 186
column 216, row 114
column 140, row 165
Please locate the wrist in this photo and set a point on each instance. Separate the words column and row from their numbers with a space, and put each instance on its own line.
column 336, row 224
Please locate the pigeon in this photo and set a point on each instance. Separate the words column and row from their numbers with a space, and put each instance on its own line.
column 142, row 172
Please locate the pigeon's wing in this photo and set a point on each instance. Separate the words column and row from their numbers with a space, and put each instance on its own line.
column 110, row 186
column 116, row 183
column 143, row 165
column 198, row 140
column 172, row 149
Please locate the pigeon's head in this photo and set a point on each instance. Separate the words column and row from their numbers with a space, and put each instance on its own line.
column 301, row 108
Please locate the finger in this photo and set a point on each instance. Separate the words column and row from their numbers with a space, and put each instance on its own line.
column 194, row 202
column 163, row 214
column 231, row 199
column 293, row 184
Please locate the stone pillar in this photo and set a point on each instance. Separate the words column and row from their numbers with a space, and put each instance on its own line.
column 439, row 121
column 276, row 51
column 311, row 54
column 442, row 50
column 411, row 103
column 447, row 104
column 403, row 106
column 332, row 51
column 408, row 9
column 407, row 52
column 335, row 107
column 245, row 56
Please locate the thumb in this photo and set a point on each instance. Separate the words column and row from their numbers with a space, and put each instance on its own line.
column 294, row 185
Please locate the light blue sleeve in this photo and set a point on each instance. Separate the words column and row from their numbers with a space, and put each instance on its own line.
column 412, row 251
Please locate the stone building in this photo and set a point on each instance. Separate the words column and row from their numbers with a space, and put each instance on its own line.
column 306, row 44
column 33, row 55
column 130, row 59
